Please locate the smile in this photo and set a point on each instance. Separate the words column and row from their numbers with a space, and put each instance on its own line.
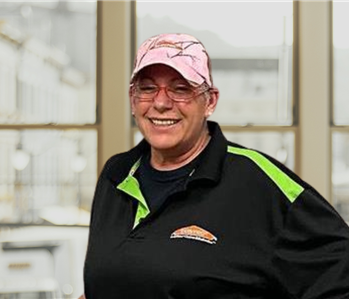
column 163, row 122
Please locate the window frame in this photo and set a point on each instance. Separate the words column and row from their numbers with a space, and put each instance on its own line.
column 334, row 128
column 312, row 87
column 111, row 83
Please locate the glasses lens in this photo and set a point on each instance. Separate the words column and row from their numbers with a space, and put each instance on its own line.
column 145, row 92
column 180, row 92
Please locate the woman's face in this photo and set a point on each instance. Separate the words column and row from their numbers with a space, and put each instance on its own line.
column 168, row 126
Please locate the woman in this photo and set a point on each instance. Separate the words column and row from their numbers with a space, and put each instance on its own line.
column 188, row 214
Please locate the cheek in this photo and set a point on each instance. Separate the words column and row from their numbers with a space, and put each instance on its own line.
column 140, row 109
column 198, row 115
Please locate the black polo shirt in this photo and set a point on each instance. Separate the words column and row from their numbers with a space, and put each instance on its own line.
column 242, row 226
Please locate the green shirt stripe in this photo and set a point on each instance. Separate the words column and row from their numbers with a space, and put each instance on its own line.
column 289, row 187
column 130, row 186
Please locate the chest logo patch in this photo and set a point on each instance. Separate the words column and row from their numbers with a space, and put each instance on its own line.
column 194, row 232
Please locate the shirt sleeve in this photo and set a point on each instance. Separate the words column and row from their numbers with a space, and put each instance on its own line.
column 311, row 257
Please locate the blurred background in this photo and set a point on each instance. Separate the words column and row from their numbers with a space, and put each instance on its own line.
column 282, row 69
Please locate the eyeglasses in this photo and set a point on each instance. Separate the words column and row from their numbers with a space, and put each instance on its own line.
column 177, row 92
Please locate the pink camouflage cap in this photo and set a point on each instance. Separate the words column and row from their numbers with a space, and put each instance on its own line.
column 183, row 52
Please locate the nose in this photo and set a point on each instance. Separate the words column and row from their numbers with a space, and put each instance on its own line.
column 161, row 101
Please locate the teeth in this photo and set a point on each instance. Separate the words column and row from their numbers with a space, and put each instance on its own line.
column 159, row 122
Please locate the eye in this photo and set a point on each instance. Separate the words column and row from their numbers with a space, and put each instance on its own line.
column 147, row 88
column 181, row 89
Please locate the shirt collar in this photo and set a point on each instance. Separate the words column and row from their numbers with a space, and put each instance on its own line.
column 209, row 166
column 212, row 157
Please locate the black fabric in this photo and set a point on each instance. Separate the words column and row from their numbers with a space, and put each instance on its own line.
column 158, row 185
column 266, row 246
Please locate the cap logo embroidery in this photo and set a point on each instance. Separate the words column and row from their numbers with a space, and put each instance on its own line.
column 168, row 44
column 195, row 233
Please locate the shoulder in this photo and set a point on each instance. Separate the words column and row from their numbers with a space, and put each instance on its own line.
column 260, row 167
column 119, row 165
column 115, row 162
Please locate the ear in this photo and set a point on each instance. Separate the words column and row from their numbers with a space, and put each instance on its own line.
column 211, row 101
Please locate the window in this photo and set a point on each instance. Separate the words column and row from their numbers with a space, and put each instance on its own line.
column 48, row 131
column 340, row 117
column 251, row 46
column 340, row 173
column 340, row 63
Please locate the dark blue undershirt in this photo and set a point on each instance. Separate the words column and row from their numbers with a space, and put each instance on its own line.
column 157, row 185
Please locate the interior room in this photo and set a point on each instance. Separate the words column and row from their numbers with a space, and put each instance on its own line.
column 282, row 69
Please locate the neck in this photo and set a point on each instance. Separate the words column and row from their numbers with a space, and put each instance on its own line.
column 170, row 160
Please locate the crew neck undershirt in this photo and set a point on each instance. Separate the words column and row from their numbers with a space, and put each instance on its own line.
column 157, row 185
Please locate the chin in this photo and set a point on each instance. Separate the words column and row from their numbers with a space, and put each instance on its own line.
column 162, row 144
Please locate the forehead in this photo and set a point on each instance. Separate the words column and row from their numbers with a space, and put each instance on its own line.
column 160, row 72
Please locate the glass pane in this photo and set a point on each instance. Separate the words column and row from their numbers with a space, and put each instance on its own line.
column 47, row 62
column 340, row 173
column 250, row 45
column 277, row 145
column 47, row 176
column 341, row 62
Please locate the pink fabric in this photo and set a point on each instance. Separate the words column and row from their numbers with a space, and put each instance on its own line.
column 182, row 52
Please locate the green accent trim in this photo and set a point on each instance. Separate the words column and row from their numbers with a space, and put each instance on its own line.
column 289, row 187
column 130, row 186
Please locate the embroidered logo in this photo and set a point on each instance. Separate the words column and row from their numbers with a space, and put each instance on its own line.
column 196, row 233
column 166, row 44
